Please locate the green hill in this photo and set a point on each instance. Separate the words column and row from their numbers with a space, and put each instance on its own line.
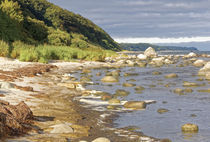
column 144, row 46
column 39, row 22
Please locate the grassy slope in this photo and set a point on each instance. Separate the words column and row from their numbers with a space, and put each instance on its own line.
column 36, row 30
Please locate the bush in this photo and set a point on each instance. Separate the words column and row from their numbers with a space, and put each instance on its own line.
column 4, row 49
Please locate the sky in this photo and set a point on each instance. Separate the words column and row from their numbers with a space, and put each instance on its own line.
column 180, row 22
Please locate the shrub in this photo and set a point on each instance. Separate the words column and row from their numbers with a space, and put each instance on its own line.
column 4, row 49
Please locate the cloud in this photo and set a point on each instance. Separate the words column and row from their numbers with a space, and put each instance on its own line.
column 145, row 18
column 162, row 40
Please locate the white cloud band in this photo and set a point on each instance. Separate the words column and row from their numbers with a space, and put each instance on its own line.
column 162, row 40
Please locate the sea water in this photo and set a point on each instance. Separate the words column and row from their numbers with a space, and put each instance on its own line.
column 188, row 108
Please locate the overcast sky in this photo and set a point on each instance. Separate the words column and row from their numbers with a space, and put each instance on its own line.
column 154, row 21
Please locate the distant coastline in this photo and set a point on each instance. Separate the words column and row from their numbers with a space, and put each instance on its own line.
column 144, row 46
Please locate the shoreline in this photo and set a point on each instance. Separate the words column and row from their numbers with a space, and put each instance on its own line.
column 80, row 117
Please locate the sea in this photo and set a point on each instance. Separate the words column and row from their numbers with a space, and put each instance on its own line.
column 191, row 107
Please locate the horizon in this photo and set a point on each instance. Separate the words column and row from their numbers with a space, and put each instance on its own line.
column 168, row 22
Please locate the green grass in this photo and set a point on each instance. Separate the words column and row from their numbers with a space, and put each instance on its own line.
column 4, row 49
column 44, row 53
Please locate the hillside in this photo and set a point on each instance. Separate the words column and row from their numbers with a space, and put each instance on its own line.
column 144, row 46
column 38, row 22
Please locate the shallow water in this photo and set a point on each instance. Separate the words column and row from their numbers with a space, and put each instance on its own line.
column 181, row 107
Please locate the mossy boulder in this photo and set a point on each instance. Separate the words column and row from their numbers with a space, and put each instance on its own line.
column 189, row 128
column 135, row 105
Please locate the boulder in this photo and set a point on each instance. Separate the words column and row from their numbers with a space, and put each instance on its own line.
column 190, row 84
column 162, row 110
column 172, row 75
column 61, row 129
column 121, row 93
column 142, row 57
column 142, row 64
column 156, row 73
column 109, row 79
column 167, row 61
column 128, row 85
column 190, row 55
column 67, row 85
column 207, row 76
column 114, row 101
column 150, row 52
column 179, row 91
column 190, row 128
column 6, row 85
column 130, row 63
column 139, row 88
column 199, row 63
column 114, row 73
column 205, row 69
column 135, row 105
column 101, row 139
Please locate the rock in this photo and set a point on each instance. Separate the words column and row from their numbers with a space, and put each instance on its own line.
column 188, row 90
column 156, row 73
column 61, row 129
column 207, row 76
column 167, row 61
column 205, row 91
column 106, row 97
column 190, row 128
column 172, row 75
column 68, row 85
column 142, row 57
column 6, row 85
column 190, row 84
column 162, row 110
column 135, row 105
column 115, row 73
column 205, row 69
column 129, row 84
column 165, row 140
column 98, row 74
column 150, row 52
column 85, row 79
column 130, row 74
column 114, row 101
column 130, row 63
column 199, row 63
column 132, row 80
column 191, row 55
column 101, row 139
column 109, row 79
column 121, row 93
column 111, row 107
column 139, row 88
column 179, row 91
column 86, row 71
column 142, row 64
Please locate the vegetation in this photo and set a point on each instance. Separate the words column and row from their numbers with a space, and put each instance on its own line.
column 36, row 30
column 144, row 46
column 44, row 53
